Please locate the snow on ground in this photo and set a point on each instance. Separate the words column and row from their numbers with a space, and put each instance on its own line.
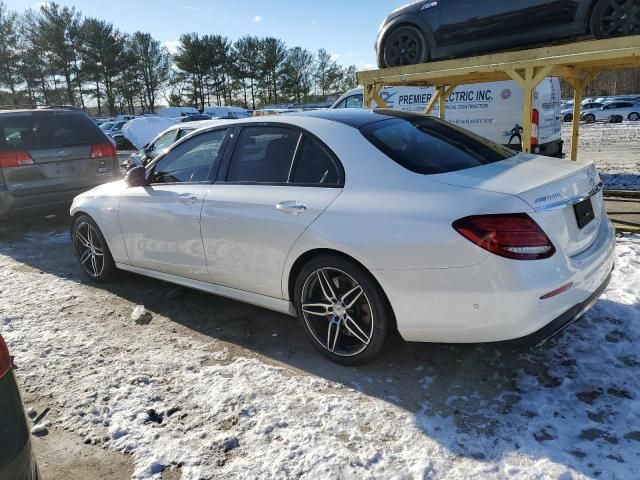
column 568, row 410
column 614, row 147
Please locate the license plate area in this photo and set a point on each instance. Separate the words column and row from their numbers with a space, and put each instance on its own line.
column 584, row 213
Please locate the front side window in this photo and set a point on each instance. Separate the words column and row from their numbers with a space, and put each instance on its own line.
column 189, row 162
column 263, row 155
column 430, row 146
column 354, row 101
column 314, row 165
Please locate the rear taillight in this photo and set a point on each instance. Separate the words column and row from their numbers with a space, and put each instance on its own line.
column 5, row 359
column 11, row 158
column 514, row 235
column 535, row 126
column 103, row 150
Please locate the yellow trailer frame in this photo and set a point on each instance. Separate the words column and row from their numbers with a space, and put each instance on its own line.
column 577, row 63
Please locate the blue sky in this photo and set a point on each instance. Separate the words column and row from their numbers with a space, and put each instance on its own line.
column 346, row 28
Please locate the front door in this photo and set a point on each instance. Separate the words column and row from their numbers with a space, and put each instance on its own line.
column 161, row 222
column 275, row 184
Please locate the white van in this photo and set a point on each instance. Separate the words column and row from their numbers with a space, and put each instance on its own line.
column 174, row 112
column 226, row 112
column 492, row 110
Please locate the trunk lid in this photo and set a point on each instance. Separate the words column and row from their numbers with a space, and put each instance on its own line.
column 551, row 187
column 60, row 145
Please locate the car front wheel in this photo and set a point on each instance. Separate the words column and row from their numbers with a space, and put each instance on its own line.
column 91, row 249
column 404, row 46
column 343, row 310
column 615, row 18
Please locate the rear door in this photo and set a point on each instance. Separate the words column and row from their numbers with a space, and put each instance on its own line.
column 277, row 181
column 49, row 152
column 464, row 21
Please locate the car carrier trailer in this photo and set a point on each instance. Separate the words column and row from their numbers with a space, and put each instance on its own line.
column 577, row 63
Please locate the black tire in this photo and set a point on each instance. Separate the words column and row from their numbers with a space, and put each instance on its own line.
column 91, row 250
column 568, row 117
column 634, row 116
column 355, row 316
column 404, row 46
column 615, row 18
column 590, row 118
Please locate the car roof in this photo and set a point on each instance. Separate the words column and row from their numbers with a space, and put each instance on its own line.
column 40, row 111
column 354, row 117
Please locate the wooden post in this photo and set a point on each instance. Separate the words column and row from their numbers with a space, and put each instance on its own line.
column 578, row 80
column 432, row 102
column 443, row 102
column 575, row 127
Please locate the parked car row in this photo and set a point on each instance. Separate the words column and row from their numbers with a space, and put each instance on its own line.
column 594, row 111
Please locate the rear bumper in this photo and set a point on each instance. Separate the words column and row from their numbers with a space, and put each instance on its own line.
column 12, row 206
column 564, row 321
column 498, row 299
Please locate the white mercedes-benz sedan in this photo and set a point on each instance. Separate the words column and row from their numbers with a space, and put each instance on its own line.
column 360, row 222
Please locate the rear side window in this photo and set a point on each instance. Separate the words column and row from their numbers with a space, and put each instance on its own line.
column 314, row 165
column 428, row 145
column 263, row 155
column 41, row 131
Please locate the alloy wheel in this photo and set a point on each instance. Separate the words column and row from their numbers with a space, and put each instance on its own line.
column 404, row 47
column 89, row 249
column 620, row 17
column 337, row 312
column 634, row 117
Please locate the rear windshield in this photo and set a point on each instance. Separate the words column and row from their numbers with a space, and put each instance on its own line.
column 47, row 130
column 428, row 145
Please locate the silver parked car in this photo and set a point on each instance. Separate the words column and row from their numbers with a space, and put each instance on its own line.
column 48, row 156
column 627, row 110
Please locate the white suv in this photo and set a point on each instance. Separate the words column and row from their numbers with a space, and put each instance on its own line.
column 627, row 110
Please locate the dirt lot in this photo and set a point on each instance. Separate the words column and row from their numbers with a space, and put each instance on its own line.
column 211, row 388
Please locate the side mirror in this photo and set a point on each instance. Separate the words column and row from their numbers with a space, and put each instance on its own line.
column 136, row 177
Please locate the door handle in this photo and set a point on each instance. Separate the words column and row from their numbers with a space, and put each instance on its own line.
column 187, row 199
column 292, row 207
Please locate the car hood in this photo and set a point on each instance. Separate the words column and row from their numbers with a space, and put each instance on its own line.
column 411, row 7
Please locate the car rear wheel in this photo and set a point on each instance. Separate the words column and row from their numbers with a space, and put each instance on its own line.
column 91, row 249
column 404, row 46
column 589, row 118
column 634, row 116
column 343, row 310
column 568, row 117
column 615, row 18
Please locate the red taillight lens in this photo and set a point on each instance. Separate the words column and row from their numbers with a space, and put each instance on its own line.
column 5, row 359
column 535, row 126
column 11, row 158
column 514, row 235
column 103, row 150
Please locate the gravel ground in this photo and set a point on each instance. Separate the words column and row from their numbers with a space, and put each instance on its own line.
column 210, row 388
